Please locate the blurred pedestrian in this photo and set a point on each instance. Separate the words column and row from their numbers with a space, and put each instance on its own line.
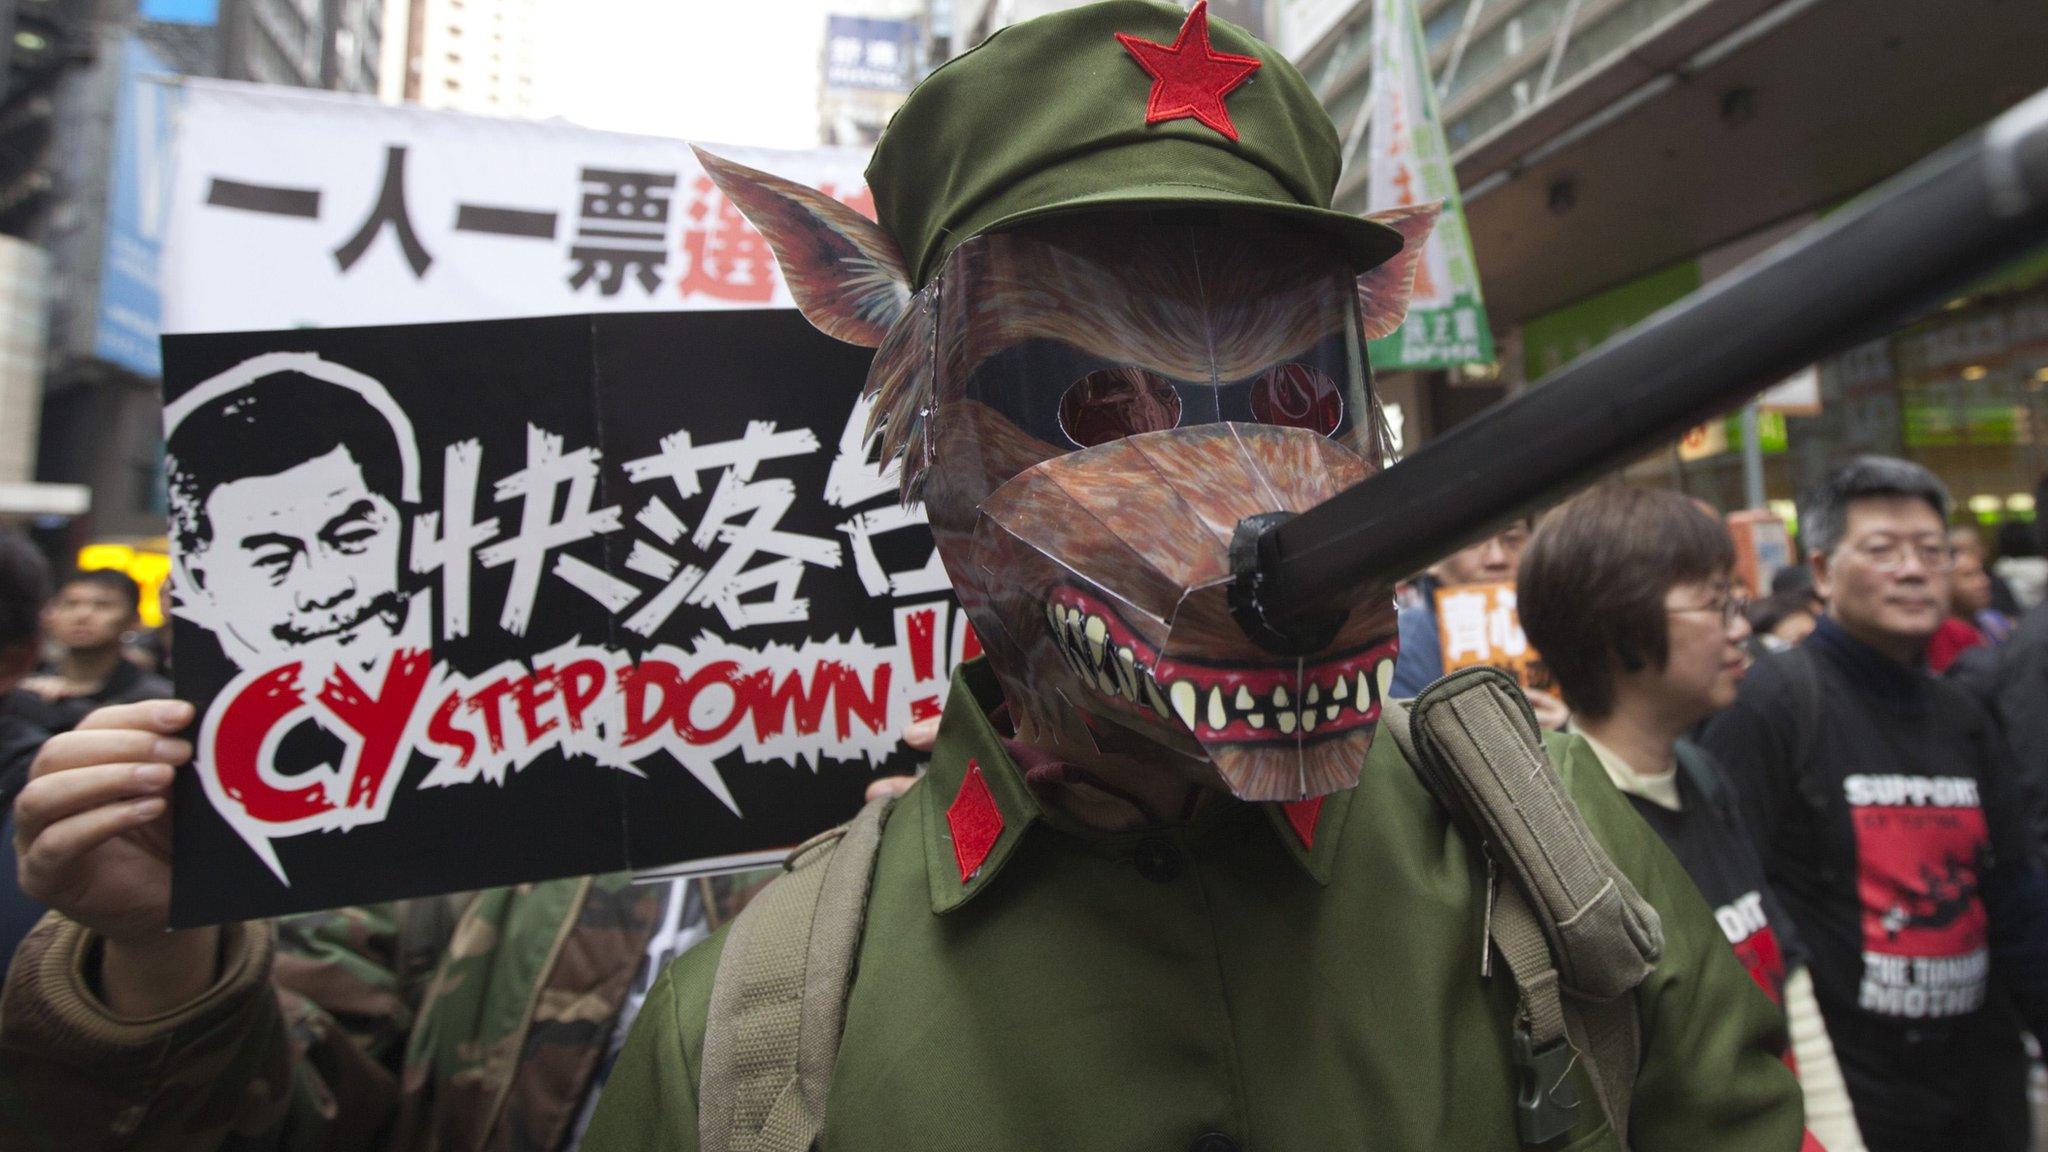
column 1490, row 561
column 1780, row 621
column 89, row 621
column 1631, row 597
column 1973, row 589
column 1890, row 829
column 2020, row 567
column 24, row 587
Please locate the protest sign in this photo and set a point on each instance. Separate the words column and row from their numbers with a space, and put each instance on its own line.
column 474, row 603
column 1478, row 624
column 290, row 208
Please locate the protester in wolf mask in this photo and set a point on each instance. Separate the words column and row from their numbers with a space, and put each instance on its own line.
column 1160, row 888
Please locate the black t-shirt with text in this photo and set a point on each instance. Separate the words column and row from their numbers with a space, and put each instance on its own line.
column 1710, row 843
column 1877, row 798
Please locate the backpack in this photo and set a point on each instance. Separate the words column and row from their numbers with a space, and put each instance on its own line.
column 1576, row 937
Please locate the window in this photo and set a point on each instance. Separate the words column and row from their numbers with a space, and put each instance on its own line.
column 1487, row 54
column 1504, row 105
column 1589, row 46
column 1445, row 24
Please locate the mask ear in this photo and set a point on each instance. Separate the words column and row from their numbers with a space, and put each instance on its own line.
column 843, row 270
column 1383, row 292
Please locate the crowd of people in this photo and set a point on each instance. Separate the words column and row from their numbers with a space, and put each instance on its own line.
column 1853, row 782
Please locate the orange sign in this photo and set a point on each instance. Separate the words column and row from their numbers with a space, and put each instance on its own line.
column 1478, row 624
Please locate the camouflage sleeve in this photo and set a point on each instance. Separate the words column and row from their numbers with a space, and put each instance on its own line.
column 292, row 1047
column 650, row 1099
column 73, row 1075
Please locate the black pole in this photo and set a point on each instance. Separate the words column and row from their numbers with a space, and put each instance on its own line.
column 1934, row 228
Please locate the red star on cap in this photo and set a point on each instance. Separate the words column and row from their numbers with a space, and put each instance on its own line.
column 1190, row 79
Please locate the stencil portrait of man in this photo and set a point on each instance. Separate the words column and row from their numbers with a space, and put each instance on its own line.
column 289, row 479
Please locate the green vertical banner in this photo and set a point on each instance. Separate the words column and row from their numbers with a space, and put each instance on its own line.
column 1411, row 164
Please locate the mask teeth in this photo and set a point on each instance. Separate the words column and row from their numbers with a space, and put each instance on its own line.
column 1084, row 642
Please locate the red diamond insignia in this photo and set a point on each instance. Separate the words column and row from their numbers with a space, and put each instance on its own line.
column 1302, row 816
column 1190, row 79
column 975, row 820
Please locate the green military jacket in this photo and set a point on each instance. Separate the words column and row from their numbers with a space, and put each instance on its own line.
column 336, row 1030
column 1261, row 977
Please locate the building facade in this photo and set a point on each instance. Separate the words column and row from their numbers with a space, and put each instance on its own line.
column 1617, row 154
column 471, row 55
column 100, row 422
column 332, row 44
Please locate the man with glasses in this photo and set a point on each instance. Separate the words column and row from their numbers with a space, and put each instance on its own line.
column 1890, row 829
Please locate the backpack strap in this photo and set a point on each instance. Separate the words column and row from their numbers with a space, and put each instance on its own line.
column 1575, row 934
column 778, row 1001
column 1700, row 767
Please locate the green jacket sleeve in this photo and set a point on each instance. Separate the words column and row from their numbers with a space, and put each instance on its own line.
column 1712, row 1074
column 286, row 1050
column 650, row 1099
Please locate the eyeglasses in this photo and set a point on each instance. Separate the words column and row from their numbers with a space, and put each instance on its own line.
column 1729, row 606
column 1890, row 555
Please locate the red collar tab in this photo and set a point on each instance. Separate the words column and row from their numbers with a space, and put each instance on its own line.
column 1302, row 816
column 1190, row 79
column 975, row 821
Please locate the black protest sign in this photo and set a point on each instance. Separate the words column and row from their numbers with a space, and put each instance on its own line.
column 469, row 604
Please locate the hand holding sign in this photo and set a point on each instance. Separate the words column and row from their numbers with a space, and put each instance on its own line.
column 93, row 834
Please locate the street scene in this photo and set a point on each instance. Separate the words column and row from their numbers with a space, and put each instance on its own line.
column 1020, row 574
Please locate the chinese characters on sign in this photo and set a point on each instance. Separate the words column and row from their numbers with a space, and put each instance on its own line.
column 620, row 234
column 292, row 210
column 864, row 53
column 490, row 602
column 1478, row 624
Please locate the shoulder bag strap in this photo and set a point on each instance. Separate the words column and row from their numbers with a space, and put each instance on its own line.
column 1576, row 936
column 778, row 1002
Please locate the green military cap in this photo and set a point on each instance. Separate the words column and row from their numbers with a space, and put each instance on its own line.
column 1123, row 105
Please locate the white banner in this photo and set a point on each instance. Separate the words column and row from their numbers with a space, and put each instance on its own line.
column 298, row 209
column 1446, row 324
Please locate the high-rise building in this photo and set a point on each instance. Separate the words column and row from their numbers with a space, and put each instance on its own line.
column 331, row 44
column 100, row 422
column 470, row 55
column 874, row 52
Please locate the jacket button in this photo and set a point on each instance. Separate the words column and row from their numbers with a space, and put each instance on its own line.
column 1159, row 862
column 1213, row 1142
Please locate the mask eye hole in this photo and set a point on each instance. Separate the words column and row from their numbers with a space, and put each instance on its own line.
column 1297, row 396
column 1117, row 402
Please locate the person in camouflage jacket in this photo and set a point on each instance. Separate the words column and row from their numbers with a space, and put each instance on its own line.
column 471, row 1022
column 316, row 1035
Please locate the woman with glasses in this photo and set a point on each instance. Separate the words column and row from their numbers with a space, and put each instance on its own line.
column 1630, row 596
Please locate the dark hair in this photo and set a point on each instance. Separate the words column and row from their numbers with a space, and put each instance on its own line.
column 24, row 587
column 1792, row 579
column 1592, row 581
column 268, row 426
column 113, row 580
column 2040, row 518
column 1771, row 611
column 1824, row 514
column 2016, row 538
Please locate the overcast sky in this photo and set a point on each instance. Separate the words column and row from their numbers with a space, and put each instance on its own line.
column 714, row 71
